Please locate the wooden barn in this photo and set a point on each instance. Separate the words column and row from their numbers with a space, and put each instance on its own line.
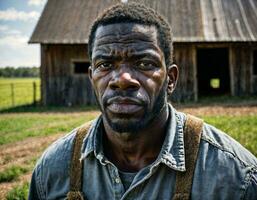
column 215, row 44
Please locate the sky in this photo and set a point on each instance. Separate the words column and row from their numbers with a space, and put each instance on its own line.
column 18, row 19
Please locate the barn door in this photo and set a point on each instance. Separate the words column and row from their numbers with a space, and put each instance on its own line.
column 213, row 71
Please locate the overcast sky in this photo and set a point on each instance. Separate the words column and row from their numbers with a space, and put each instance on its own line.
column 18, row 19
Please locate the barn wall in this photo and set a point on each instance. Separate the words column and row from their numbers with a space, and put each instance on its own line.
column 242, row 80
column 60, row 86
column 241, row 69
column 184, row 58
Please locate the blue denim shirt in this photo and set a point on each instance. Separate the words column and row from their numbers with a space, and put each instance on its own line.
column 224, row 169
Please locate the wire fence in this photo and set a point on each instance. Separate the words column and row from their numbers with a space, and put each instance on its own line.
column 17, row 94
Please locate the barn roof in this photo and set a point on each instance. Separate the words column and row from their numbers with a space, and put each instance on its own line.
column 68, row 22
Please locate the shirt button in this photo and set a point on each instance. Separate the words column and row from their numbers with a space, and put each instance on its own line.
column 117, row 180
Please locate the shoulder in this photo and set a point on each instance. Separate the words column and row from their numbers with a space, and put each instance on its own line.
column 229, row 169
column 60, row 150
column 51, row 171
column 57, row 155
column 230, row 166
column 219, row 141
column 215, row 140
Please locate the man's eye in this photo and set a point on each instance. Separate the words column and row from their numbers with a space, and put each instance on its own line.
column 104, row 66
column 145, row 65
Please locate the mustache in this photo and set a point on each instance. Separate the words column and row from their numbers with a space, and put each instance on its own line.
column 128, row 96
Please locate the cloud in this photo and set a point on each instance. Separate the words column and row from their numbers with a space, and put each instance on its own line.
column 13, row 41
column 5, row 30
column 24, row 56
column 16, row 52
column 11, row 14
column 36, row 2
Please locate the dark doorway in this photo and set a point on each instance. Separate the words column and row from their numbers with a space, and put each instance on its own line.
column 213, row 72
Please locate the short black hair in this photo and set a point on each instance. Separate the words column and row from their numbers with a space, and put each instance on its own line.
column 135, row 13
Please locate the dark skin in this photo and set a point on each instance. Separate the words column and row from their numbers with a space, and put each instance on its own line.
column 128, row 74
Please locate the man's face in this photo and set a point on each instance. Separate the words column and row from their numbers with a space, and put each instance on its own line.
column 128, row 75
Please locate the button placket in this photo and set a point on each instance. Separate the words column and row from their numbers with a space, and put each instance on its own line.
column 117, row 184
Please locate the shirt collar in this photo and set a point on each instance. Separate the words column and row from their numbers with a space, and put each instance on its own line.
column 172, row 153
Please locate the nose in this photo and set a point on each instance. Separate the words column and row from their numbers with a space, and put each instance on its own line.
column 123, row 79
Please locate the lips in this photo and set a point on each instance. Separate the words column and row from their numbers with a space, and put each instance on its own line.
column 124, row 105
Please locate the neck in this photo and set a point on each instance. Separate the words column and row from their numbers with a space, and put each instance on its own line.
column 133, row 151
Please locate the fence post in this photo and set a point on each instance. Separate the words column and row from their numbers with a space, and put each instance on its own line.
column 34, row 93
column 12, row 94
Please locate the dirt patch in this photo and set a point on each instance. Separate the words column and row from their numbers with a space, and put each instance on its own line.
column 21, row 154
column 5, row 187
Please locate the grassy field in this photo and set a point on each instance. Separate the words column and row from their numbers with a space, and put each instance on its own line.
column 241, row 128
column 17, row 91
column 19, row 126
column 16, row 127
column 23, row 137
column 26, row 131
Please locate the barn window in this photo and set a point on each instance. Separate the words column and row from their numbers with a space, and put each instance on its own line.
column 255, row 62
column 81, row 67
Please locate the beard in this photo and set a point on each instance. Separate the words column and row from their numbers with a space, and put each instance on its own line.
column 127, row 124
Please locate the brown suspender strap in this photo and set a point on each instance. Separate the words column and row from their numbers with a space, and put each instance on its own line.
column 76, row 167
column 192, row 135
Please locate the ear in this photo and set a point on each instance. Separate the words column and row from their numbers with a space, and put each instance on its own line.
column 172, row 73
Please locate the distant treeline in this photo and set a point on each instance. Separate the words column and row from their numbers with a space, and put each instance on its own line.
column 19, row 72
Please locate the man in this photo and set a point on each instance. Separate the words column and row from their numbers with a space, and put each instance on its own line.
column 136, row 148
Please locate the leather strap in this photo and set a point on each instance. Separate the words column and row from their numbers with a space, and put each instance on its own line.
column 192, row 136
column 76, row 169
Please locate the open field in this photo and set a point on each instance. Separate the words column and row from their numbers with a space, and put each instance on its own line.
column 23, row 137
column 18, row 91
column 24, row 134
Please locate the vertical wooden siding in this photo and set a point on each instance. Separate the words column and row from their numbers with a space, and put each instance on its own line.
column 60, row 86
column 240, row 61
column 184, row 57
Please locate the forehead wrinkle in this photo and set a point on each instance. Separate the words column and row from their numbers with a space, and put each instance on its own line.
column 118, row 40
column 125, row 38
column 117, row 55
column 126, row 33
column 115, row 47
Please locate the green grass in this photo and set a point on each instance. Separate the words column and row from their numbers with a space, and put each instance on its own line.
column 12, row 173
column 241, row 128
column 22, row 91
column 41, row 121
column 19, row 192
column 16, row 127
